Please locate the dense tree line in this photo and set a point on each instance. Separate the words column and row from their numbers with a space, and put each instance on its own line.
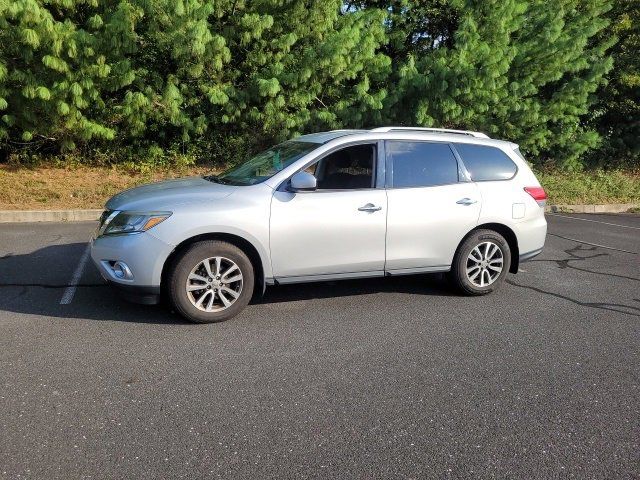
column 618, row 101
column 215, row 78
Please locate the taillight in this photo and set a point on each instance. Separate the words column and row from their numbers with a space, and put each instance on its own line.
column 538, row 194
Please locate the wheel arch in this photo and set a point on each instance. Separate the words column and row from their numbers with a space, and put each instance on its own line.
column 242, row 243
column 508, row 234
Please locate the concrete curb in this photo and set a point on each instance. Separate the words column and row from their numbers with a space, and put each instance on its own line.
column 21, row 216
column 610, row 208
column 7, row 216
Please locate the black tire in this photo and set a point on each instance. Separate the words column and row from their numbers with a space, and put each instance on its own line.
column 189, row 259
column 458, row 274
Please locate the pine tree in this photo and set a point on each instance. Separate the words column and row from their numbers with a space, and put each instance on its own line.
column 166, row 72
column 221, row 76
column 516, row 69
column 619, row 99
column 51, row 73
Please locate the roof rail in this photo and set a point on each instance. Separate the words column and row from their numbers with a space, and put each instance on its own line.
column 431, row 130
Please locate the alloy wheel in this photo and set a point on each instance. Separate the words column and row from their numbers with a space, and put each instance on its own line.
column 214, row 284
column 484, row 264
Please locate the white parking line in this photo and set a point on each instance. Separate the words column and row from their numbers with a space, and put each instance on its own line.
column 70, row 291
column 593, row 221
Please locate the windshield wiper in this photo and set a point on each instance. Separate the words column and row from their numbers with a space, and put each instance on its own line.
column 216, row 179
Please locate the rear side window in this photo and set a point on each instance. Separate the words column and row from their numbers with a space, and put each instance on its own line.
column 422, row 164
column 486, row 163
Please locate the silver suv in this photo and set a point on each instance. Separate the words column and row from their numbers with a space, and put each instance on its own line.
column 326, row 206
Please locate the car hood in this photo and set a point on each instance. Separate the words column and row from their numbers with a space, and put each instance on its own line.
column 168, row 194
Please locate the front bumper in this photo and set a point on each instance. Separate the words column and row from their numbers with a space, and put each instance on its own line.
column 144, row 254
column 137, row 294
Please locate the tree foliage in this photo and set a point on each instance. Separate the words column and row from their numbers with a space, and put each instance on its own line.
column 516, row 69
column 213, row 76
column 619, row 100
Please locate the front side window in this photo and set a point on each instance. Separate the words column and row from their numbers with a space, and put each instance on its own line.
column 422, row 164
column 349, row 168
column 486, row 163
column 265, row 164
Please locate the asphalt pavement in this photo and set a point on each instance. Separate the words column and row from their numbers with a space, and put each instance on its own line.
column 384, row 378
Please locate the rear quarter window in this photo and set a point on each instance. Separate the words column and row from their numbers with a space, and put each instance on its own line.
column 486, row 163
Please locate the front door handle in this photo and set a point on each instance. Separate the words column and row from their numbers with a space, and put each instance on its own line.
column 466, row 201
column 369, row 207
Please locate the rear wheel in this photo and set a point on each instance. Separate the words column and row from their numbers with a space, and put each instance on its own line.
column 211, row 281
column 481, row 263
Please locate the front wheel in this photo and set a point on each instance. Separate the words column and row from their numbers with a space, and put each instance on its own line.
column 481, row 263
column 210, row 281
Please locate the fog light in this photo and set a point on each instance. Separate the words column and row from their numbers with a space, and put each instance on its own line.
column 122, row 271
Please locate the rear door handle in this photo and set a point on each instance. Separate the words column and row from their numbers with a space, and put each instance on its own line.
column 466, row 201
column 369, row 207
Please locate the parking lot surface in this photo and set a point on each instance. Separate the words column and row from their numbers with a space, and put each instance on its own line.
column 384, row 378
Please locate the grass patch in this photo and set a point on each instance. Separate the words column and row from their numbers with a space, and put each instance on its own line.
column 78, row 187
column 591, row 187
column 53, row 186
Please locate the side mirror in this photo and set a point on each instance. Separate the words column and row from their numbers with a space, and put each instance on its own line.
column 303, row 182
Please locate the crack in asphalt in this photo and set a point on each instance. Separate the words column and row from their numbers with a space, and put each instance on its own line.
column 564, row 262
column 613, row 307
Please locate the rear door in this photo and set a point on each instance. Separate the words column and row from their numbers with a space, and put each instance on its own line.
column 431, row 205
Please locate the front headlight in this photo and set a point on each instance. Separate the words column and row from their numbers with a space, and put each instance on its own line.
column 121, row 222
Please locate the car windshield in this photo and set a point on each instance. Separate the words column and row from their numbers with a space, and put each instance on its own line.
column 265, row 164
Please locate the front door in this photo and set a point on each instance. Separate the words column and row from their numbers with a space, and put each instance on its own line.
column 336, row 230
